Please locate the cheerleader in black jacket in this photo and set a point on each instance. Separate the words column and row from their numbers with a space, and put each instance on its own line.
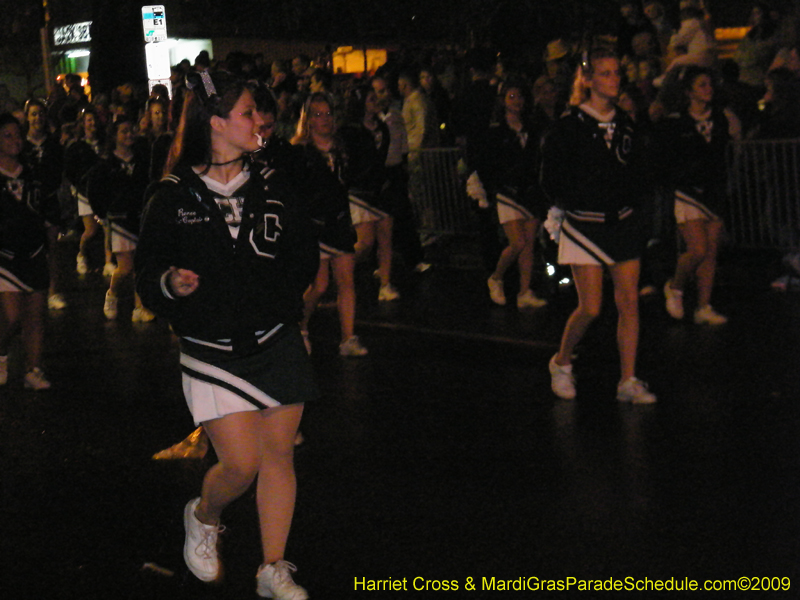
column 366, row 138
column 79, row 157
column 24, row 280
column 42, row 152
column 115, row 188
column 324, row 164
column 590, row 170
column 508, row 171
column 225, row 254
column 695, row 144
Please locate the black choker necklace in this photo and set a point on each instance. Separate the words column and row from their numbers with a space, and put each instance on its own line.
column 222, row 164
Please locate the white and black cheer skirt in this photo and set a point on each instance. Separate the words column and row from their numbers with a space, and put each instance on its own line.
column 24, row 273
column 217, row 382
column 588, row 240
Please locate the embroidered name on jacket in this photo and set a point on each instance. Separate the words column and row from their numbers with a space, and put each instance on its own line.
column 189, row 217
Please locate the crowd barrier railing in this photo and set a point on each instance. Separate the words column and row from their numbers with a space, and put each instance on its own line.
column 438, row 192
column 764, row 194
column 763, row 209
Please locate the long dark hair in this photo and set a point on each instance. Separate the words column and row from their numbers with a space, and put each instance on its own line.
column 192, row 145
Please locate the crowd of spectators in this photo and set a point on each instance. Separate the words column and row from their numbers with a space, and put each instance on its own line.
column 654, row 39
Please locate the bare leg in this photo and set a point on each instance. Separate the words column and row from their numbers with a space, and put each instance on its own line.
column 708, row 267
column 121, row 272
column 107, row 243
column 589, row 284
column 365, row 233
column 343, row 267
column 315, row 291
column 695, row 235
column 11, row 303
column 525, row 258
column 626, row 296
column 90, row 229
column 237, row 441
column 384, row 229
column 277, row 485
column 52, row 263
column 515, row 233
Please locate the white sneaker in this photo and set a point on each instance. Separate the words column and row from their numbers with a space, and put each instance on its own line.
column 562, row 380
column 110, row 306
column 3, row 370
column 388, row 293
column 108, row 269
column 81, row 267
column 35, row 380
column 200, row 548
column 56, row 302
column 708, row 316
column 275, row 581
column 352, row 347
column 422, row 267
column 141, row 315
column 635, row 391
column 496, row 292
column 528, row 299
column 674, row 300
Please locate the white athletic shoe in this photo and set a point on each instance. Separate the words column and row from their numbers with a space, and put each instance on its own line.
column 635, row 391
column 674, row 301
column 562, row 380
column 387, row 293
column 496, row 292
column 275, row 581
column 35, row 380
column 110, row 306
column 528, row 299
column 56, row 302
column 706, row 315
column 200, row 547
column 141, row 315
column 81, row 267
column 352, row 347
column 422, row 267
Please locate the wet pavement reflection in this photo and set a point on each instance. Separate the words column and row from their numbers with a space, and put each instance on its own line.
column 441, row 455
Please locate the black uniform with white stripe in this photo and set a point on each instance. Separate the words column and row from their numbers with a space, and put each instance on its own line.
column 694, row 159
column 321, row 179
column 255, row 253
column 23, row 218
column 509, row 168
column 594, row 169
column 116, row 189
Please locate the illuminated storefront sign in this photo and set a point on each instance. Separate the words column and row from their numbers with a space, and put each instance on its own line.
column 77, row 33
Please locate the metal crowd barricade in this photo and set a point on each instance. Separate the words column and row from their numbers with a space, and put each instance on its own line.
column 763, row 188
column 438, row 192
column 764, row 194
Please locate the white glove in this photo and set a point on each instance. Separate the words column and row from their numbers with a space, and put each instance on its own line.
column 555, row 216
column 475, row 190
